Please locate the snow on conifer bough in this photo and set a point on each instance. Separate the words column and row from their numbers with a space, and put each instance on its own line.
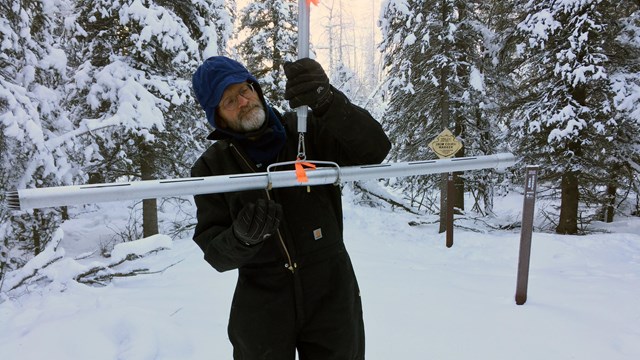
column 23, row 199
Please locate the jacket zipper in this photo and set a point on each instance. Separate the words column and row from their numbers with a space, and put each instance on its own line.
column 290, row 265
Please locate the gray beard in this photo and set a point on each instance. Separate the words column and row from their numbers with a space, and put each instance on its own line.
column 249, row 121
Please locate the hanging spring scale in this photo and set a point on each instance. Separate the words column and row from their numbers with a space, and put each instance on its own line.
column 301, row 164
column 304, row 18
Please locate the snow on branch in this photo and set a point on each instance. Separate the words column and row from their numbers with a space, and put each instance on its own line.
column 626, row 88
column 33, row 270
column 122, row 254
column 374, row 190
column 51, row 265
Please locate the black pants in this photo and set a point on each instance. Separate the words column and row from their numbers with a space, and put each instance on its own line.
column 316, row 311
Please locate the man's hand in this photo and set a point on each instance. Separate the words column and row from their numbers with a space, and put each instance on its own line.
column 307, row 84
column 257, row 221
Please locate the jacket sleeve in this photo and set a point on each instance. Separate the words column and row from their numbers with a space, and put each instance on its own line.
column 214, row 233
column 348, row 134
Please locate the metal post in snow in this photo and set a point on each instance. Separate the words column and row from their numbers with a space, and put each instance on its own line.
column 451, row 189
column 528, row 209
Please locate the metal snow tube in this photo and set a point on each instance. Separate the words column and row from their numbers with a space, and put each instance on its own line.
column 150, row 189
column 303, row 52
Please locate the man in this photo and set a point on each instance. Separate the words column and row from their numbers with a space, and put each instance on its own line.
column 296, row 287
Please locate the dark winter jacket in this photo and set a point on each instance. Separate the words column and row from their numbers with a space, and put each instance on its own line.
column 296, row 290
column 312, row 226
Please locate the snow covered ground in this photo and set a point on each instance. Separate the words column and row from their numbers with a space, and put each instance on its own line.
column 421, row 299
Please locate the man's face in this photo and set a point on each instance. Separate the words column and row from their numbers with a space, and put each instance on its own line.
column 241, row 109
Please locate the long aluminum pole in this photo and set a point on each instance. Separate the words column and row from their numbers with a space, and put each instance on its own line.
column 303, row 52
column 150, row 189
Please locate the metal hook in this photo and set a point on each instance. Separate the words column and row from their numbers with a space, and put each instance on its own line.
column 302, row 151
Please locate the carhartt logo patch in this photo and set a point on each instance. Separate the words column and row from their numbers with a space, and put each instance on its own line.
column 317, row 234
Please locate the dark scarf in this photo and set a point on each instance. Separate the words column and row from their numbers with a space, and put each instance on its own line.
column 265, row 147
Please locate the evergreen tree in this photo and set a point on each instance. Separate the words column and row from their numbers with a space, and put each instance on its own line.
column 497, row 22
column 621, row 151
column 434, row 61
column 347, row 81
column 566, row 113
column 134, row 64
column 271, row 29
column 33, row 152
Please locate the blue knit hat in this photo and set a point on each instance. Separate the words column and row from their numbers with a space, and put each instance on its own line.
column 213, row 77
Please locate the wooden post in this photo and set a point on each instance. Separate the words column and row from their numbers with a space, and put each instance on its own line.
column 451, row 190
column 445, row 145
column 528, row 210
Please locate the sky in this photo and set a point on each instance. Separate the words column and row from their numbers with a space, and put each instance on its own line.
column 362, row 14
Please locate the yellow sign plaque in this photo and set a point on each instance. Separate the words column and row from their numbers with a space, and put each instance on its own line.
column 445, row 145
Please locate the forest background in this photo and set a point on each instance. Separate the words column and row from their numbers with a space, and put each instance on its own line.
column 96, row 91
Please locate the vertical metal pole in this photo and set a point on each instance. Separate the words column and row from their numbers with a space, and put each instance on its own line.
column 528, row 210
column 451, row 189
column 303, row 52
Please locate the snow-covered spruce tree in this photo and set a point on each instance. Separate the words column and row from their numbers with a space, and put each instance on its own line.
column 621, row 152
column 565, row 119
column 433, row 60
column 347, row 81
column 479, row 28
column 271, row 30
column 134, row 61
column 33, row 150
column 498, row 22
column 407, row 119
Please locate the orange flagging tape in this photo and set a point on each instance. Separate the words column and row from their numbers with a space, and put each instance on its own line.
column 301, row 173
column 315, row 2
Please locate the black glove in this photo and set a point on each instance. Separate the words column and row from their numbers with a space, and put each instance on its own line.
column 307, row 84
column 257, row 221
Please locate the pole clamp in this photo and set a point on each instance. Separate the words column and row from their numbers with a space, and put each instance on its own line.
column 299, row 162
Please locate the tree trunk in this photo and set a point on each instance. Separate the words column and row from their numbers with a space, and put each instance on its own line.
column 37, row 239
column 445, row 108
column 610, row 206
column 149, row 206
column 459, row 130
column 458, row 180
column 568, row 223
column 149, row 217
column 64, row 213
column 443, row 202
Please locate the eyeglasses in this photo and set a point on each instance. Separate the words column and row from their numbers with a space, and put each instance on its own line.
column 231, row 102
